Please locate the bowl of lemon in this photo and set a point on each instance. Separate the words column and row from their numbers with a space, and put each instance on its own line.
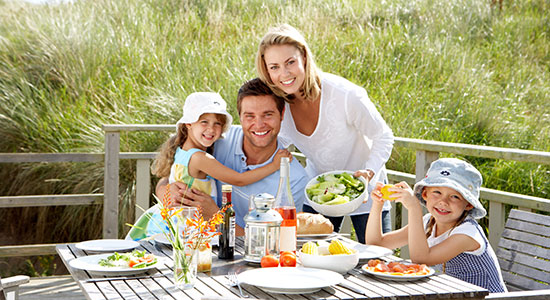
column 336, row 256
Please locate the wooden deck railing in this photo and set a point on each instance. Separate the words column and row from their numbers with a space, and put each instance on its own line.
column 426, row 152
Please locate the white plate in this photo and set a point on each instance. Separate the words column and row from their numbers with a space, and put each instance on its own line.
column 316, row 236
column 107, row 245
column 290, row 280
column 161, row 238
column 91, row 264
column 371, row 251
column 405, row 277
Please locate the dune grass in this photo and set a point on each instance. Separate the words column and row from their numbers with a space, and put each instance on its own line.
column 454, row 71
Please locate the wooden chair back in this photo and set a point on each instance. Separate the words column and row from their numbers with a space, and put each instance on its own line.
column 524, row 251
column 2, row 295
column 9, row 287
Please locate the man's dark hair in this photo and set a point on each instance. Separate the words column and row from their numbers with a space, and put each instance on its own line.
column 256, row 87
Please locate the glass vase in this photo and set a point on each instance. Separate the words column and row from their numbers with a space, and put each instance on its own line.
column 185, row 267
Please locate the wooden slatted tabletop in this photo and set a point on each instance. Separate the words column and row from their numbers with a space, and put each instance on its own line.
column 214, row 285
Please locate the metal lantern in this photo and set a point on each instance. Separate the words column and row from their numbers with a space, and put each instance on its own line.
column 263, row 225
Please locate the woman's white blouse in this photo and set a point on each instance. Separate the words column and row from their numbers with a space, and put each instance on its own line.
column 350, row 134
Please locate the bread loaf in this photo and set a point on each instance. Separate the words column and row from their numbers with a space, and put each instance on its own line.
column 313, row 224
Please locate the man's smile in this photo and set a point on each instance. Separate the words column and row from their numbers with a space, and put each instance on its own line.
column 260, row 133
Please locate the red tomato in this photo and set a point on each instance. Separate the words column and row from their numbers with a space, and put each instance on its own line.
column 269, row 261
column 288, row 259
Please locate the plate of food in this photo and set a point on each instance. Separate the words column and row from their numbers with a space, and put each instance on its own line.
column 290, row 280
column 107, row 245
column 397, row 271
column 115, row 264
column 336, row 193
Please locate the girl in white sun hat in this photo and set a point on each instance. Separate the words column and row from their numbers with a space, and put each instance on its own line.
column 448, row 237
column 187, row 156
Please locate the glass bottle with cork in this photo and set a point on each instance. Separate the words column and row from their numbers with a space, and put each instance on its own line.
column 226, row 242
column 284, row 204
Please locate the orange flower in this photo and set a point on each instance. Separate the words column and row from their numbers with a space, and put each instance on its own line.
column 166, row 209
column 197, row 230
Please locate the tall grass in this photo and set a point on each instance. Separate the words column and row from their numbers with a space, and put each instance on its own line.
column 454, row 71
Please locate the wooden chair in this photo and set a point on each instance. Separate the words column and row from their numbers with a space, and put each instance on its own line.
column 524, row 251
column 9, row 287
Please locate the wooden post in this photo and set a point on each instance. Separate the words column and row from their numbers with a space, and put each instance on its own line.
column 496, row 222
column 143, row 186
column 346, row 225
column 423, row 161
column 110, row 204
column 393, row 215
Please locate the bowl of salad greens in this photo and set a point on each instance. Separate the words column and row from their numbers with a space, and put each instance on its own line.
column 336, row 193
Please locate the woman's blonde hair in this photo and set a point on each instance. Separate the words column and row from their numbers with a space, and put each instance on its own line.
column 287, row 35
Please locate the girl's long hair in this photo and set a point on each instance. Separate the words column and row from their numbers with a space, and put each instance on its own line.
column 288, row 35
column 431, row 223
column 165, row 158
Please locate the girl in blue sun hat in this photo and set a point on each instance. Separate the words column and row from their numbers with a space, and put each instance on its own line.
column 448, row 237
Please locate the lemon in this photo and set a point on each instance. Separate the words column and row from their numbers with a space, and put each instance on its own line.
column 385, row 193
column 337, row 247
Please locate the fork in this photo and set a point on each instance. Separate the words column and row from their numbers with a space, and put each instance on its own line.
column 234, row 281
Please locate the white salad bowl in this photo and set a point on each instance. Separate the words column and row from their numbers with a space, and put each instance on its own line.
column 340, row 263
column 337, row 210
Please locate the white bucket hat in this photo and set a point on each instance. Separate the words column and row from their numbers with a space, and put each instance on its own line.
column 200, row 103
column 458, row 175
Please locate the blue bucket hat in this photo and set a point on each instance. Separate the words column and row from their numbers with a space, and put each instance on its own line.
column 458, row 175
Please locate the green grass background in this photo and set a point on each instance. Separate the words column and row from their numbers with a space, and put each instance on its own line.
column 455, row 71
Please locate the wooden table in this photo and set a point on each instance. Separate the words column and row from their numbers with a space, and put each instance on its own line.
column 214, row 284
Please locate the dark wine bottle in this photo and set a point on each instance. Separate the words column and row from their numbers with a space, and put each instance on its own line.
column 227, row 238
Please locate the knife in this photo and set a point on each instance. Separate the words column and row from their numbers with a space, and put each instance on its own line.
column 352, row 288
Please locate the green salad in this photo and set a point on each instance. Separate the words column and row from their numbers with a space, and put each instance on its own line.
column 335, row 189
column 135, row 259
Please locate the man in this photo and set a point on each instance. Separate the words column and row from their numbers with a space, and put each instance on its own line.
column 246, row 147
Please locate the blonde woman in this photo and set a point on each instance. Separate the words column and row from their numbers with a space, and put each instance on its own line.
column 328, row 118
